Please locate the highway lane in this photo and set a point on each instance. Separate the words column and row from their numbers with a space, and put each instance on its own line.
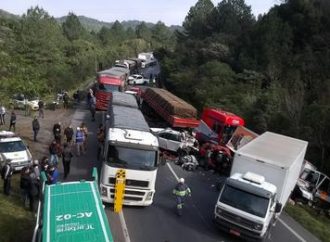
column 159, row 221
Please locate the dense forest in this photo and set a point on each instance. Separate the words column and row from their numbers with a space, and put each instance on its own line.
column 273, row 69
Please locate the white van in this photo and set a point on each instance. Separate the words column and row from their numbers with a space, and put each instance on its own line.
column 14, row 149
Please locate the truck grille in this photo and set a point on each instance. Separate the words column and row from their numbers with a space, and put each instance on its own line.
column 128, row 198
column 130, row 182
column 129, row 192
column 238, row 219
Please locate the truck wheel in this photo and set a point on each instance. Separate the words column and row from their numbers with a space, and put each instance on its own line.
column 134, row 83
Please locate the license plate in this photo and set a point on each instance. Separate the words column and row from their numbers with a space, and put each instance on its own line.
column 234, row 232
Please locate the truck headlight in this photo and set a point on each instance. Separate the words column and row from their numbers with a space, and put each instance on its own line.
column 104, row 191
column 149, row 196
column 258, row 226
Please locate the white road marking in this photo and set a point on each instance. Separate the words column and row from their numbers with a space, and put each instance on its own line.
column 292, row 231
column 124, row 227
column 285, row 225
column 171, row 169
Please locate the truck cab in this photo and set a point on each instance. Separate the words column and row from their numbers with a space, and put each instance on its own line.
column 247, row 206
column 222, row 123
column 313, row 183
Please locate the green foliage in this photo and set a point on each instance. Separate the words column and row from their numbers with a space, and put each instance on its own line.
column 195, row 23
column 72, row 27
column 313, row 222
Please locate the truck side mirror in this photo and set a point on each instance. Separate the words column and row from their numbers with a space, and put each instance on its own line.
column 278, row 207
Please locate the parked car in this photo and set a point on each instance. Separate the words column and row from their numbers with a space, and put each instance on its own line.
column 20, row 100
column 14, row 149
column 137, row 80
column 172, row 140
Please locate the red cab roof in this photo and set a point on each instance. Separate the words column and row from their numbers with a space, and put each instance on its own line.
column 226, row 117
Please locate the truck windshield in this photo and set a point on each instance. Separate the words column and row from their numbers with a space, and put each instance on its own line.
column 131, row 158
column 13, row 146
column 245, row 201
column 108, row 87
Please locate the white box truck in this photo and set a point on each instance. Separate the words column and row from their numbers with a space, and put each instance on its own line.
column 263, row 175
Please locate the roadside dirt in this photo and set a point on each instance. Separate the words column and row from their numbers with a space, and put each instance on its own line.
column 45, row 136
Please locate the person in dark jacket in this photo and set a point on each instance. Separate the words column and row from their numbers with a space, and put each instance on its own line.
column 6, row 173
column 181, row 191
column 57, row 130
column 24, row 184
column 35, row 128
column 32, row 189
column 68, row 132
column 12, row 122
column 66, row 159
column 92, row 107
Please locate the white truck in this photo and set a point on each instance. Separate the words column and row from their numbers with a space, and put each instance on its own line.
column 263, row 175
column 129, row 145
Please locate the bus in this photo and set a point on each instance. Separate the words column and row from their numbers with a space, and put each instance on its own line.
column 71, row 211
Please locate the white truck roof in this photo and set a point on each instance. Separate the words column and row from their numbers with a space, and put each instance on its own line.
column 274, row 149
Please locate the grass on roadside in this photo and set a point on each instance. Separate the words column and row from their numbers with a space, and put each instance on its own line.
column 16, row 223
column 316, row 224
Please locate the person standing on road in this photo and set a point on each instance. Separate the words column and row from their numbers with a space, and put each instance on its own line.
column 181, row 191
column 68, row 132
column 41, row 106
column 53, row 151
column 57, row 132
column 80, row 141
column 12, row 121
column 92, row 107
column 84, row 129
column 35, row 128
column 6, row 173
column 100, row 140
column 2, row 115
column 66, row 159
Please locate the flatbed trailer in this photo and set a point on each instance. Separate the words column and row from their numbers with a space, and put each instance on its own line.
column 72, row 211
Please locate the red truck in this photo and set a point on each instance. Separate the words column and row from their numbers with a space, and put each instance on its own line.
column 108, row 81
column 169, row 107
column 222, row 123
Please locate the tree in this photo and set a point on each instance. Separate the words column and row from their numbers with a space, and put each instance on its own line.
column 195, row 23
column 231, row 17
column 143, row 32
column 72, row 27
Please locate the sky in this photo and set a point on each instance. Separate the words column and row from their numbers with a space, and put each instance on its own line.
column 170, row 12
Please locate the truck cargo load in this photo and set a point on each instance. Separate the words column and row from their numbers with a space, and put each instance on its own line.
column 171, row 108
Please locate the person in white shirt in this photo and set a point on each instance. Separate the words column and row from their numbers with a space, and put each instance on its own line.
column 2, row 115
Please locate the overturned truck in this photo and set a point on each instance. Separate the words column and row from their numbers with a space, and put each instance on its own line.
column 174, row 110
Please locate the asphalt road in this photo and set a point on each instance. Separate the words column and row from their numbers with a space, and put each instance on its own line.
column 159, row 222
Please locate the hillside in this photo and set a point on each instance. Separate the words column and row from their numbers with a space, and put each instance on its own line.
column 93, row 24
